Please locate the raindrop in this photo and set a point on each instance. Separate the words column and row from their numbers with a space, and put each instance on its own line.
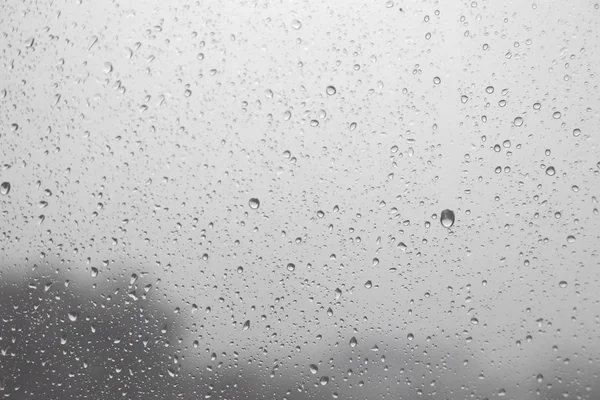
column 94, row 272
column 556, row 115
column 246, row 325
column 108, row 68
column 296, row 24
column 4, row 188
column 518, row 121
column 330, row 90
column 562, row 284
column 489, row 89
column 287, row 115
column 570, row 239
column 550, row 171
column 352, row 126
column 368, row 284
column 313, row 368
column 437, row 80
column 537, row 106
column 353, row 341
column 324, row 380
column 254, row 203
column 464, row 99
column 73, row 315
column 474, row 321
column 410, row 336
column 291, row 267
column 447, row 218
column 240, row 270
column 576, row 132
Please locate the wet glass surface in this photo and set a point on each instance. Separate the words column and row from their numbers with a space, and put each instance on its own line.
column 294, row 200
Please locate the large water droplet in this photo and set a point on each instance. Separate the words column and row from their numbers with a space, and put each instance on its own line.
column 368, row 284
column 550, row 171
column 518, row 121
column 562, row 284
column 313, row 368
column 437, row 80
column 296, row 24
column 447, row 218
column 4, row 188
column 246, row 325
column 330, row 90
column 324, row 380
column 73, row 315
column 291, row 267
column 254, row 203
column 353, row 342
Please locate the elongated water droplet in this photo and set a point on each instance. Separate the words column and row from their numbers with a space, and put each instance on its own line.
column 447, row 218
column 353, row 342
column 246, row 325
column 313, row 368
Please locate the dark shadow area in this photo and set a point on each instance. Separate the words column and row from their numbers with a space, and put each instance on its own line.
column 118, row 337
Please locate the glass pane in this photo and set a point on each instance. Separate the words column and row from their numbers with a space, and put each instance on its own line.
column 299, row 200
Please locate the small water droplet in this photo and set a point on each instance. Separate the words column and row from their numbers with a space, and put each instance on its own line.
column 570, row 239
column 464, row 99
column 324, row 380
column 291, row 267
column 576, row 132
column 518, row 121
column 474, row 321
column 489, row 89
column 5, row 188
column 353, row 342
column 73, row 315
column 556, row 115
column 550, row 171
column 410, row 336
column 447, row 218
column 352, row 126
column 313, row 368
column 330, row 90
column 368, row 284
column 437, row 80
column 246, row 325
column 94, row 272
column 562, row 284
column 254, row 203
column 240, row 270
column 287, row 115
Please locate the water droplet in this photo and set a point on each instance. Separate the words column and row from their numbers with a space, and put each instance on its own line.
column 570, row 239
column 474, row 321
column 506, row 143
column 291, row 267
column 518, row 121
column 550, row 171
column 313, row 368
column 246, row 325
column 254, row 203
column 489, row 89
column 94, row 272
column 5, row 188
column 352, row 126
column 287, row 115
column 437, row 80
column 107, row 68
column 73, row 315
column 330, row 90
column 556, row 115
column 240, row 270
column 187, row 93
column 368, row 284
column 464, row 99
column 447, row 218
column 329, row 312
column 410, row 336
column 296, row 24
column 29, row 42
column 353, row 342
column 324, row 380
column 394, row 149
column 557, row 215
column 576, row 132
column 562, row 284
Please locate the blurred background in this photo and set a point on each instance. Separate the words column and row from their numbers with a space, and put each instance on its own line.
column 303, row 199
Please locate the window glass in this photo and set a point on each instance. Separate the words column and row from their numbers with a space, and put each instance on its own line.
column 299, row 199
